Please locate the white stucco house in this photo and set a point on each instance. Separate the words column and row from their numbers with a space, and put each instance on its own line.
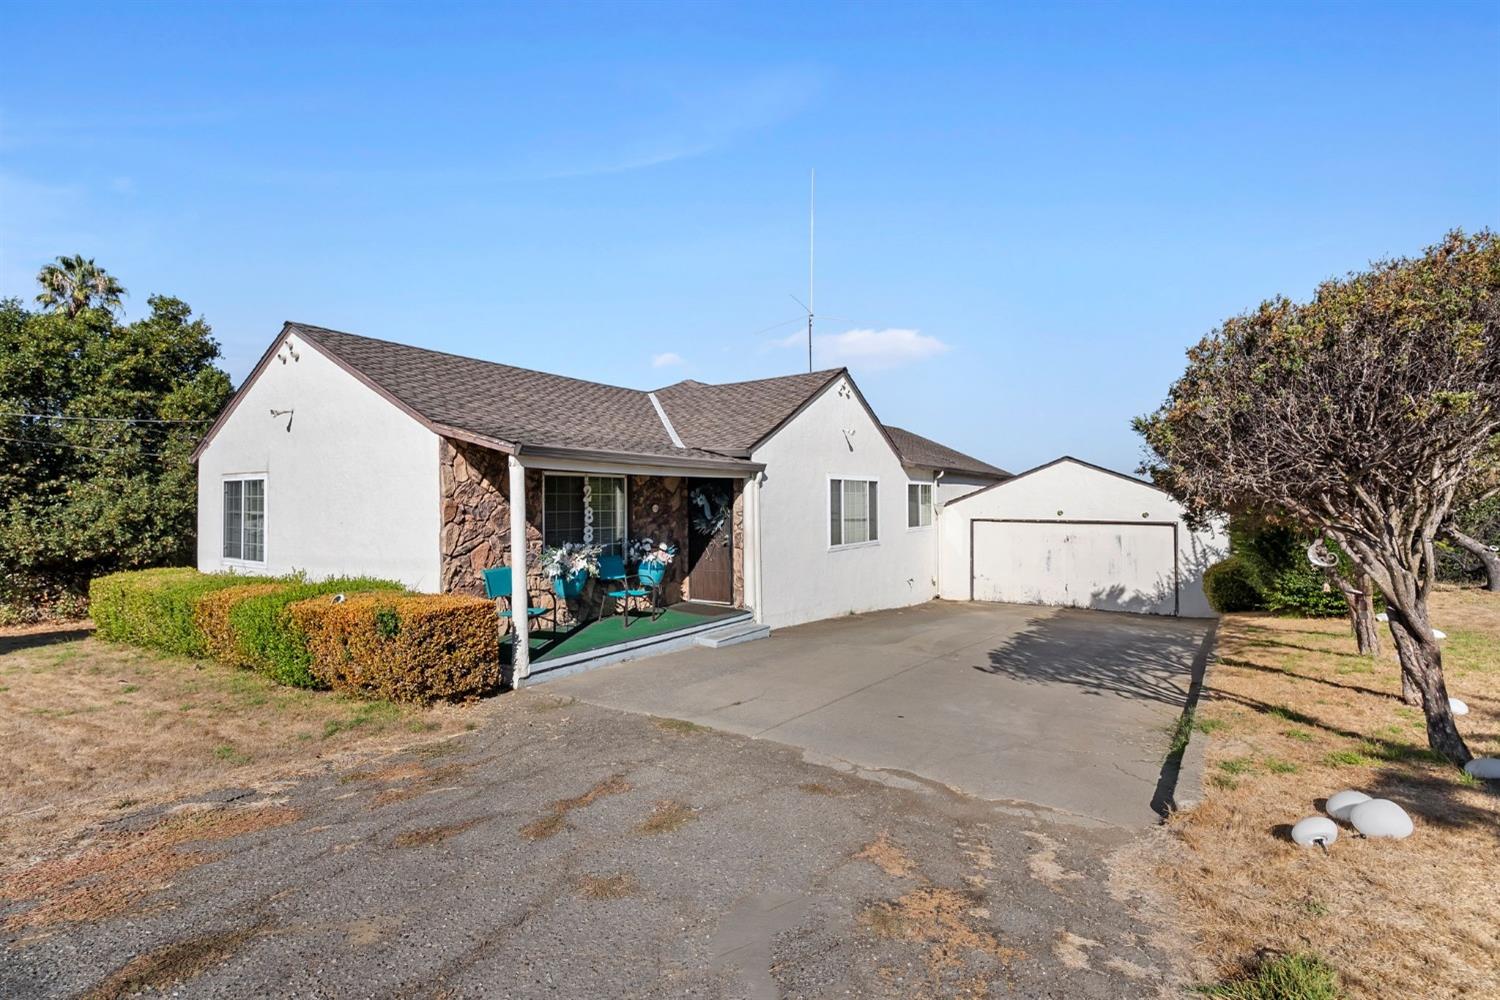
column 787, row 498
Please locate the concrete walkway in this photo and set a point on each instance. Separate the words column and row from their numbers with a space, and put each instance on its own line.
column 1062, row 708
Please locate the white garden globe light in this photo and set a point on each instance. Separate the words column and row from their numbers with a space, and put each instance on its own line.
column 1487, row 768
column 1339, row 803
column 1438, row 633
column 1381, row 818
column 1315, row 830
column 1458, row 707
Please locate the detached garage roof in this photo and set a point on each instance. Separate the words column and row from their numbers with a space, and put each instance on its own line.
column 915, row 449
column 1058, row 461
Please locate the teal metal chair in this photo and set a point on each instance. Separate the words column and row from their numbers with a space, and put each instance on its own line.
column 648, row 581
column 611, row 572
column 497, row 583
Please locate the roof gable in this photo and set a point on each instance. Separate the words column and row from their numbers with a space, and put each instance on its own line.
column 517, row 409
column 736, row 416
column 1055, row 462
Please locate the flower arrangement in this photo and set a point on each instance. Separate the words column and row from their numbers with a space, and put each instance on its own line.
column 649, row 552
column 569, row 559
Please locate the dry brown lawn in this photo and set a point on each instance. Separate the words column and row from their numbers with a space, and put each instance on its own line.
column 1293, row 715
column 90, row 731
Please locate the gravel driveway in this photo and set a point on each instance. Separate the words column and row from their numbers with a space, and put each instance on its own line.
column 563, row 849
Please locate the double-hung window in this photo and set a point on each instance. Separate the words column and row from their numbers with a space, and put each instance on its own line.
column 853, row 511
column 245, row 519
column 918, row 505
column 570, row 515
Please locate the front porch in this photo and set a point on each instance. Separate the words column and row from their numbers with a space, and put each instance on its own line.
column 568, row 648
column 505, row 510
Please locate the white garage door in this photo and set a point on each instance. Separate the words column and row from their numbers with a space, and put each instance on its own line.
column 1108, row 566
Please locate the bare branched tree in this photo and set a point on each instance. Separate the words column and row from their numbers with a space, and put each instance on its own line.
column 1478, row 490
column 1362, row 412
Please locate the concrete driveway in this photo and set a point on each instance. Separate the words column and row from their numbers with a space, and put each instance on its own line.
column 1062, row 708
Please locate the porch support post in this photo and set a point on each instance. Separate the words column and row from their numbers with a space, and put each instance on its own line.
column 520, row 600
column 753, row 583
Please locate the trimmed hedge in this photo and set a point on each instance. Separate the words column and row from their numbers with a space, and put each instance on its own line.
column 1229, row 586
column 155, row 607
column 211, row 615
column 267, row 639
column 413, row 648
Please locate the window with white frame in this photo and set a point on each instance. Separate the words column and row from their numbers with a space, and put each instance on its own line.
column 245, row 519
column 918, row 505
column 568, row 501
column 853, row 511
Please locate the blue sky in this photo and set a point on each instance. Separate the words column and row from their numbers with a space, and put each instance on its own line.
column 1025, row 213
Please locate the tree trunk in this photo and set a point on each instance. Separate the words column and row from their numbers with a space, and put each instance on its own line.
column 1361, row 610
column 1422, row 668
column 1491, row 560
column 1411, row 694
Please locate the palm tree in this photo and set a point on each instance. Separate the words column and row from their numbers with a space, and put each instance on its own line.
column 73, row 284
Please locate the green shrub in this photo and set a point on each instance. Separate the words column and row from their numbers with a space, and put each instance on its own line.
column 266, row 638
column 155, row 607
column 211, row 613
column 1274, row 560
column 409, row 647
column 1229, row 587
column 1284, row 977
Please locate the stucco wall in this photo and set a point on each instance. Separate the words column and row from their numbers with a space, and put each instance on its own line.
column 802, row 579
column 1073, row 491
column 351, row 488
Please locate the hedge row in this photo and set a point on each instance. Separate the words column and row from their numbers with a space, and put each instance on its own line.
column 155, row 607
column 378, row 641
column 403, row 647
column 249, row 626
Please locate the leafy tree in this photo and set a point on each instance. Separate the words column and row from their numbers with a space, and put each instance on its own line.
column 72, row 284
column 97, row 422
column 1360, row 413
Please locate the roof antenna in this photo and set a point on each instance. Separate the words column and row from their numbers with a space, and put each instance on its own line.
column 812, row 196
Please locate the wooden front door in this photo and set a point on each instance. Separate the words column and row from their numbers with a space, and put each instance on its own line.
column 710, row 540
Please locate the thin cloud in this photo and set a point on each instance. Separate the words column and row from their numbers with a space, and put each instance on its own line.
column 666, row 359
column 705, row 121
column 892, row 347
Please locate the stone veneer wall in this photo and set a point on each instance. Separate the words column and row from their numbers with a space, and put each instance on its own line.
column 658, row 510
column 476, row 524
column 476, row 519
column 737, row 541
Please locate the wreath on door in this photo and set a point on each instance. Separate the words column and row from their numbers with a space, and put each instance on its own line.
column 710, row 510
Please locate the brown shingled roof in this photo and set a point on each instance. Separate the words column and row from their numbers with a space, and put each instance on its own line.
column 735, row 416
column 914, row 449
column 507, row 407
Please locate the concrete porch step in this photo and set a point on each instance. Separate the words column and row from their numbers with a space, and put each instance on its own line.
column 733, row 635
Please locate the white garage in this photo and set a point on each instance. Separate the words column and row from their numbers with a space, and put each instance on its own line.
column 1073, row 534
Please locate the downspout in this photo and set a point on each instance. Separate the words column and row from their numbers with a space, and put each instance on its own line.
column 937, row 536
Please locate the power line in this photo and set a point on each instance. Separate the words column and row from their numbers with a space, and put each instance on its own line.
column 83, row 447
column 115, row 420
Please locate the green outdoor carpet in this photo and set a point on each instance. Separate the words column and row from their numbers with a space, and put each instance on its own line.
column 595, row 635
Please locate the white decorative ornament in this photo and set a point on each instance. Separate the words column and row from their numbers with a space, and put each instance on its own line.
column 1381, row 818
column 1318, row 555
column 1487, row 768
column 1458, row 707
column 1318, row 830
column 1339, row 803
